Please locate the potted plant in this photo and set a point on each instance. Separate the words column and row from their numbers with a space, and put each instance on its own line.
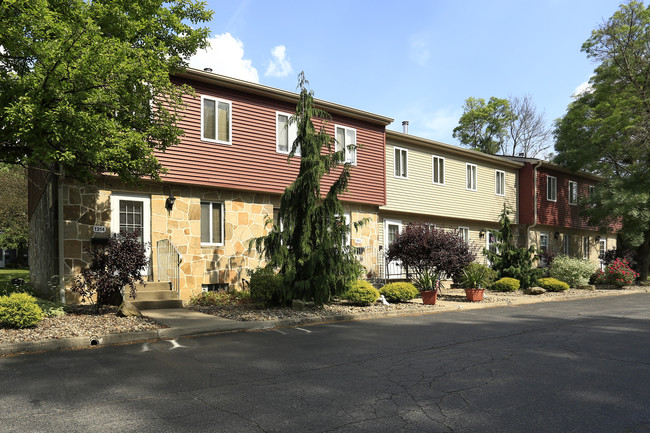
column 475, row 277
column 427, row 284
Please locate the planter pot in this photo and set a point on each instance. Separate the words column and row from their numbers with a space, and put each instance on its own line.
column 429, row 297
column 474, row 295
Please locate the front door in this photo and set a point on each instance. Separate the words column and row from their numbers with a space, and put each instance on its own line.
column 391, row 229
column 131, row 213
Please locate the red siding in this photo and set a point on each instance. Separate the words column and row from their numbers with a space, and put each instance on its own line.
column 526, row 194
column 251, row 161
column 560, row 213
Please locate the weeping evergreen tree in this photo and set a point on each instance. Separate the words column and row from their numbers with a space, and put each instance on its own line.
column 509, row 260
column 308, row 243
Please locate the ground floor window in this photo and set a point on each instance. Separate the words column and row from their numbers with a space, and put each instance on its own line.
column 211, row 223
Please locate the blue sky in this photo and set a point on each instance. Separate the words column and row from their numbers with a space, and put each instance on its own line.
column 415, row 61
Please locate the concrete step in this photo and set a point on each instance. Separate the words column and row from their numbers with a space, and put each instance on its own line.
column 152, row 286
column 152, row 305
column 158, row 295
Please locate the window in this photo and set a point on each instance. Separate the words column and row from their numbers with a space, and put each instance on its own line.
column 346, row 140
column 471, row 177
column 401, row 162
column 551, row 188
column 438, row 170
column 585, row 247
column 602, row 249
column 464, row 233
column 215, row 120
column 211, row 223
column 592, row 190
column 286, row 133
column 573, row 192
column 346, row 236
column 500, row 182
column 543, row 242
column 567, row 244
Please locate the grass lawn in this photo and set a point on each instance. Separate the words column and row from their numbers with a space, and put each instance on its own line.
column 6, row 275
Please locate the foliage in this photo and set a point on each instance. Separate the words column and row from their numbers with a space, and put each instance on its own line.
column 606, row 129
column 308, row 243
column 427, row 281
column 574, row 271
column 484, row 126
column 112, row 268
column 14, row 227
column 399, row 292
column 50, row 309
column 264, row 283
column 618, row 273
column 477, row 275
column 528, row 133
column 509, row 260
column 620, row 253
column 85, row 85
column 547, row 257
column 505, row 284
column 221, row 298
column 428, row 250
column 552, row 284
column 8, row 278
column 19, row 310
column 361, row 293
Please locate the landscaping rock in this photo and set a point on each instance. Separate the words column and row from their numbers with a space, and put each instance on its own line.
column 127, row 309
column 586, row 287
column 534, row 291
column 299, row 304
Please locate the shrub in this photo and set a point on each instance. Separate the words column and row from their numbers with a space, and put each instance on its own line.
column 552, row 284
column 618, row 273
column 264, row 283
column 476, row 275
column 19, row 310
column 50, row 309
column 506, row 284
column 575, row 272
column 362, row 293
column 220, row 298
column 399, row 292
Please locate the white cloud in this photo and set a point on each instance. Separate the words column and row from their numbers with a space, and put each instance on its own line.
column 279, row 66
column 419, row 50
column 225, row 56
column 585, row 87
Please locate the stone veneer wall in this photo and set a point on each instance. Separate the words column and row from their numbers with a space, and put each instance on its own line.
column 245, row 214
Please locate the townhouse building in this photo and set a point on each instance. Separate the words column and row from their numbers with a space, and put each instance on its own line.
column 223, row 183
column 448, row 187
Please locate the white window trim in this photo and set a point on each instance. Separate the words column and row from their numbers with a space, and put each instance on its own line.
column 223, row 220
column 346, row 128
column 496, row 183
column 585, row 248
column 216, row 119
column 292, row 133
column 444, row 169
column 460, row 228
column 475, row 180
column 548, row 189
column 401, row 149
column 573, row 202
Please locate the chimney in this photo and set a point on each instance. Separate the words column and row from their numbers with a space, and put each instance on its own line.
column 405, row 126
column 207, row 69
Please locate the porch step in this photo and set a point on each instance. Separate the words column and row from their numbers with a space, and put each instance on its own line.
column 155, row 295
column 152, row 305
column 153, row 286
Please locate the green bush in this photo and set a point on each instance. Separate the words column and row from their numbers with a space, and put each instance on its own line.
column 222, row 298
column 19, row 310
column 50, row 309
column 552, row 284
column 399, row 292
column 362, row 293
column 477, row 275
column 506, row 284
column 575, row 272
column 264, row 283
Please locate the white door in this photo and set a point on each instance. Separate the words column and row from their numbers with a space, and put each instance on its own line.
column 131, row 213
column 602, row 249
column 490, row 243
column 391, row 229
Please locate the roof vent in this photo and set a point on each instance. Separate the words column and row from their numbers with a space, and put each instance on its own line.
column 207, row 69
column 405, row 126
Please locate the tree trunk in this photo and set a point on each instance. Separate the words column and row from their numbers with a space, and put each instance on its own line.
column 644, row 257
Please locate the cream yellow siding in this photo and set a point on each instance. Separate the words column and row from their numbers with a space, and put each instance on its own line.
column 415, row 192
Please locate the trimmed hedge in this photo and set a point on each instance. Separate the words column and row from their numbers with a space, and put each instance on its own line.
column 399, row 292
column 552, row 284
column 19, row 310
column 362, row 293
column 506, row 285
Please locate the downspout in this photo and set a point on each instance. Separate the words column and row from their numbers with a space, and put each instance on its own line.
column 535, row 167
column 59, row 209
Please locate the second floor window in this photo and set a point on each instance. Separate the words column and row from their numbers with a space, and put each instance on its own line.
column 346, row 140
column 215, row 120
column 551, row 188
column 573, row 192
column 471, row 177
column 500, row 182
column 438, row 170
column 286, row 133
column 211, row 223
column 401, row 162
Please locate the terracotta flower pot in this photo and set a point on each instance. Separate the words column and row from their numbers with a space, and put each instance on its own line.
column 474, row 295
column 429, row 297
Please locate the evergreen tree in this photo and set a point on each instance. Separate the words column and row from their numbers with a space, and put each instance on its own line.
column 308, row 243
column 509, row 260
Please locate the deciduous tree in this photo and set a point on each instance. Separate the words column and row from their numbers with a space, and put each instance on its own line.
column 14, row 228
column 484, row 126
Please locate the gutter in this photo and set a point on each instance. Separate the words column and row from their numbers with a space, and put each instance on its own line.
column 535, row 167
